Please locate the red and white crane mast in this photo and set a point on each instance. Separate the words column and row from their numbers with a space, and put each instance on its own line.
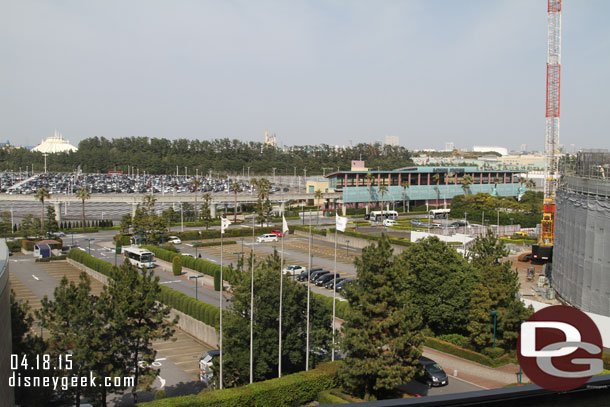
column 543, row 251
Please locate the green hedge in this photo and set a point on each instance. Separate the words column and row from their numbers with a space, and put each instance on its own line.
column 215, row 234
column 606, row 360
column 393, row 240
column 326, row 397
column 306, row 229
column 200, row 265
column 456, row 339
column 473, row 356
column 215, row 243
column 14, row 246
column 206, row 313
column 48, row 259
column 28, row 244
column 291, row 390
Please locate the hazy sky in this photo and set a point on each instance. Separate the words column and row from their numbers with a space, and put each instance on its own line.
column 432, row 71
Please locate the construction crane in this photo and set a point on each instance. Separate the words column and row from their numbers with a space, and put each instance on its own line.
column 543, row 251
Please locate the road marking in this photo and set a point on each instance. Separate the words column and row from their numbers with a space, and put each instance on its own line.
column 37, row 279
column 169, row 282
column 158, row 359
column 207, row 258
column 162, row 380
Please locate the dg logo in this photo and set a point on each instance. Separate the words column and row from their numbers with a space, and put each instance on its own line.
column 560, row 348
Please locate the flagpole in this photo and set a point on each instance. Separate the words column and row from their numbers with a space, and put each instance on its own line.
column 279, row 364
column 252, row 307
column 221, row 287
column 308, row 289
column 334, row 291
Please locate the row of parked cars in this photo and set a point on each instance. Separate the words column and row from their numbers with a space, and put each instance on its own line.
column 318, row 276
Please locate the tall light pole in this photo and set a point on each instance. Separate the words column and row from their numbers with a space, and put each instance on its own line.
column 196, row 284
column 308, row 295
column 252, row 309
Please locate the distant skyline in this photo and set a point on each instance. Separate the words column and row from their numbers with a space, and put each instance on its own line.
column 471, row 72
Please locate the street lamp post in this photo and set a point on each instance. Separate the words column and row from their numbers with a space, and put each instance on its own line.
column 89, row 247
column 196, row 284
column 495, row 315
column 347, row 247
column 239, row 253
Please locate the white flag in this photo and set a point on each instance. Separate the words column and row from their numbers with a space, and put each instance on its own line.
column 224, row 223
column 341, row 223
column 284, row 225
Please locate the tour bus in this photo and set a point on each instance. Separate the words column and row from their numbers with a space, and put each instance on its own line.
column 381, row 215
column 141, row 258
column 439, row 213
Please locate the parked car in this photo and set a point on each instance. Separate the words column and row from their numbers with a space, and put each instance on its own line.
column 433, row 374
column 267, row 237
column 313, row 276
column 343, row 283
column 329, row 285
column 205, row 365
column 174, row 240
column 417, row 222
column 277, row 232
column 294, row 269
column 389, row 222
column 322, row 280
column 303, row 275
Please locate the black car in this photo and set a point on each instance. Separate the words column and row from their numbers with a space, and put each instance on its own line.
column 433, row 374
column 320, row 281
column 329, row 285
column 313, row 276
column 303, row 275
column 343, row 284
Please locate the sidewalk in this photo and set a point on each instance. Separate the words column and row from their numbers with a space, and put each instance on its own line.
column 475, row 373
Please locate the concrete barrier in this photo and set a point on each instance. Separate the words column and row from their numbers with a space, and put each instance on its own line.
column 188, row 324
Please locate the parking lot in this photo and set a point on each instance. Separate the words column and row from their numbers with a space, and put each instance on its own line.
column 178, row 356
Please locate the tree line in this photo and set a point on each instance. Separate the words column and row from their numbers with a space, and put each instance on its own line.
column 224, row 156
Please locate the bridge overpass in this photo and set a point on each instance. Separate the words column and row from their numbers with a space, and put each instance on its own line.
column 59, row 200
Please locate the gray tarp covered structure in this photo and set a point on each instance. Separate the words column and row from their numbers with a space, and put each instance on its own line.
column 581, row 253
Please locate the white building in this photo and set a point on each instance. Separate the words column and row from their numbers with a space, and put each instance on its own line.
column 391, row 140
column 484, row 149
column 55, row 144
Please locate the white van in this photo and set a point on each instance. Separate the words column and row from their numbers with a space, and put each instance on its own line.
column 267, row 237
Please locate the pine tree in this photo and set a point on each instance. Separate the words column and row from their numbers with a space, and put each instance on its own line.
column 497, row 290
column 138, row 318
column 440, row 281
column 236, row 327
column 382, row 334
column 75, row 326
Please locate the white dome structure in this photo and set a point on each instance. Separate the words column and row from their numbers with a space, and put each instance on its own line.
column 55, row 144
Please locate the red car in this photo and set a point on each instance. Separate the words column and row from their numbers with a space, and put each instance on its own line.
column 277, row 232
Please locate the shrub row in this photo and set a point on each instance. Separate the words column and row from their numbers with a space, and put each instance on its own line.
column 48, row 259
column 206, row 313
column 291, row 390
column 215, row 243
column 326, row 397
column 122, row 240
column 306, row 229
column 215, row 234
column 28, row 244
column 14, row 246
column 463, row 353
column 393, row 240
column 200, row 265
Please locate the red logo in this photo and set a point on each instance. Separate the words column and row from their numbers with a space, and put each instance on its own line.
column 560, row 348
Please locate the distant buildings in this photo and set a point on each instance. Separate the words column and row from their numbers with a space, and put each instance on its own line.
column 270, row 140
column 495, row 149
column 450, row 146
column 392, row 141
column 55, row 144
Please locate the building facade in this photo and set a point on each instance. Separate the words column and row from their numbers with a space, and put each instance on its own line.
column 426, row 185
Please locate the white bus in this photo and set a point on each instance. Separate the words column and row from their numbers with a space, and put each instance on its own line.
column 378, row 216
column 141, row 258
column 439, row 214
